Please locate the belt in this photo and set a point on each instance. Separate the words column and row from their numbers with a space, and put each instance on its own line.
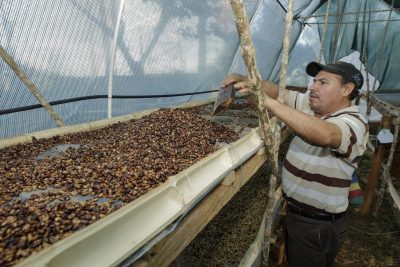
column 318, row 215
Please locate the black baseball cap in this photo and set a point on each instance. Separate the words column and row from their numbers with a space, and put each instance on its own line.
column 344, row 69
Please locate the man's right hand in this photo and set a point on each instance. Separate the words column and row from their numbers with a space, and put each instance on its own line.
column 240, row 82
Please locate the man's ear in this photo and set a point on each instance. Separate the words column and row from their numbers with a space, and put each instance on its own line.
column 348, row 88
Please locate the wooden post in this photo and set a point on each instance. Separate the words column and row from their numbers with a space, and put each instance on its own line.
column 386, row 169
column 248, row 53
column 324, row 32
column 21, row 75
column 266, row 124
column 277, row 132
column 372, row 179
column 271, row 127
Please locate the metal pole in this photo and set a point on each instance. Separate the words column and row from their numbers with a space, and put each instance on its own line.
column 113, row 53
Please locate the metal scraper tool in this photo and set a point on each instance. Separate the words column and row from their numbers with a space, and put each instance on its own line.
column 226, row 95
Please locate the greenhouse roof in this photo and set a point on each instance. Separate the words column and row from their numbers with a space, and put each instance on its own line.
column 97, row 60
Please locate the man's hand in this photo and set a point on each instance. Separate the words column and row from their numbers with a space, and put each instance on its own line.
column 240, row 83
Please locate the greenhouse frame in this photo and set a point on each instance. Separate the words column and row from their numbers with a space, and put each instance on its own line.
column 72, row 69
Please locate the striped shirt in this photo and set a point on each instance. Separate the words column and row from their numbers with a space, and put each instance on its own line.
column 318, row 178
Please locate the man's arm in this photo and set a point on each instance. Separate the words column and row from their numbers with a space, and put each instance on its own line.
column 310, row 128
column 242, row 84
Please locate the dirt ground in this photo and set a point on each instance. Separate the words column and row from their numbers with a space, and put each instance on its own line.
column 227, row 237
column 371, row 240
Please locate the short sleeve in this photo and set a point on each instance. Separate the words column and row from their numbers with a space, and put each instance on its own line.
column 292, row 98
column 299, row 101
column 354, row 137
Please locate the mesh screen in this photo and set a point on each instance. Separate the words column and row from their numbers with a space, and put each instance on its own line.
column 65, row 48
column 163, row 47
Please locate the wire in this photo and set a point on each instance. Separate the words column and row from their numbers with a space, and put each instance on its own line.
column 353, row 22
column 350, row 13
column 295, row 17
column 70, row 100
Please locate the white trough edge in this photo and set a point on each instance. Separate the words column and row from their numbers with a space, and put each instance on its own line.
column 393, row 193
column 115, row 237
column 88, row 126
column 201, row 177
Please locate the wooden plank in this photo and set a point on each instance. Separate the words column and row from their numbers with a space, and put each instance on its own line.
column 372, row 179
column 165, row 252
column 382, row 106
column 31, row 86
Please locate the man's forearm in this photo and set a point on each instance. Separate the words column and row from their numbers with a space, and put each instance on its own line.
column 270, row 89
column 310, row 128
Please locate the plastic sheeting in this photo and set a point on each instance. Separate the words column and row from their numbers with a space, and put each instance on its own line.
column 268, row 29
column 62, row 46
column 171, row 48
column 366, row 26
column 65, row 48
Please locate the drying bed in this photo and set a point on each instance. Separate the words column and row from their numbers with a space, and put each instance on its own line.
column 54, row 187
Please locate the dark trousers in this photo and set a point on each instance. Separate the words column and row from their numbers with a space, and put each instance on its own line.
column 311, row 242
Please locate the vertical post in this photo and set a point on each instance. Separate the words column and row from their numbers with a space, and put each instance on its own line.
column 270, row 127
column 278, row 125
column 365, row 57
column 324, row 32
column 386, row 169
column 112, row 63
column 31, row 86
column 368, row 102
column 379, row 67
column 282, row 81
column 248, row 53
column 373, row 176
column 338, row 27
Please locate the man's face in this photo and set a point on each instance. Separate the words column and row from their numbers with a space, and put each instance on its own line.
column 326, row 93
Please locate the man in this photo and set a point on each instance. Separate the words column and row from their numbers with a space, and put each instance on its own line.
column 330, row 137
